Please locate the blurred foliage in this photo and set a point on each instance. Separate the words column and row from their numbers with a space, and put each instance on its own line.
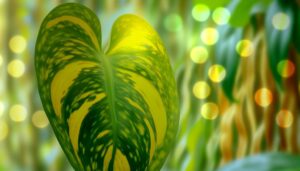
column 266, row 162
column 247, row 64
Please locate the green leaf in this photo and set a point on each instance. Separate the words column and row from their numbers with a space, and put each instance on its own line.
column 241, row 12
column 278, row 40
column 266, row 162
column 212, row 4
column 110, row 110
column 227, row 56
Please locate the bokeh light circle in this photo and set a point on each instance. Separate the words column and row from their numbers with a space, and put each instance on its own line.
column 286, row 68
column 200, row 12
column 199, row 54
column 221, row 16
column 201, row 90
column 3, row 130
column 209, row 111
column 245, row 48
column 18, row 113
column 173, row 23
column 17, row 44
column 263, row 97
column 39, row 119
column 16, row 68
column 216, row 73
column 284, row 118
column 281, row 21
column 210, row 36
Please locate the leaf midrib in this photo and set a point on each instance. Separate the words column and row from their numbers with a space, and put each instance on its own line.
column 110, row 90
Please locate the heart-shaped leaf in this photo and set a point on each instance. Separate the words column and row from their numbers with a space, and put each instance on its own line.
column 113, row 110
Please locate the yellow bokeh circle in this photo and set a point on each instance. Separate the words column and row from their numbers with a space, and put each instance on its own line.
column 216, row 73
column 16, row 68
column 201, row 90
column 210, row 111
column 210, row 36
column 18, row 113
column 199, row 54
column 17, row 44
column 245, row 48
column 39, row 119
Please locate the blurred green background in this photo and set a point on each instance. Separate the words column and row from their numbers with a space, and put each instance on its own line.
column 236, row 64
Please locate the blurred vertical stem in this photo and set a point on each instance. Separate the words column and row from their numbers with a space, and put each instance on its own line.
column 293, row 100
column 11, row 25
column 38, row 162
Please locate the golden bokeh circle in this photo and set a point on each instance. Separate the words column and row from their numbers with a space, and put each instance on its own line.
column 263, row 97
column 284, row 118
column 210, row 111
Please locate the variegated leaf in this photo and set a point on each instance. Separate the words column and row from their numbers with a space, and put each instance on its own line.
column 110, row 110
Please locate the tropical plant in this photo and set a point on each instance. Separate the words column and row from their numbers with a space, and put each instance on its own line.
column 110, row 110
column 253, row 108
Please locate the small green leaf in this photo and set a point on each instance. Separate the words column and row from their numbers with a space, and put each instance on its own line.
column 266, row 162
column 110, row 110
column 241, row 12
column 196, row 143
column 278, row 23
column 212, row 4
